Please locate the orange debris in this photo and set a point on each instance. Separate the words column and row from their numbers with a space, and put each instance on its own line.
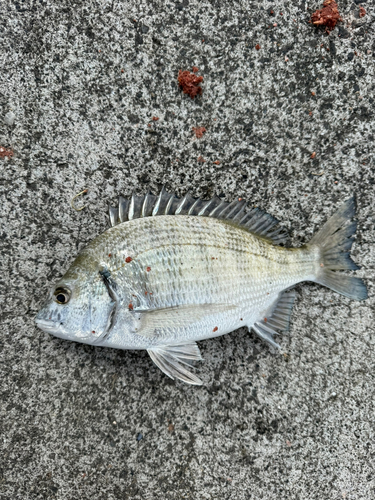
column 199, row 131
column 328, row 16
column 189, row 83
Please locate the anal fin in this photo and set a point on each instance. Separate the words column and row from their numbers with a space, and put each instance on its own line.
column 277, row 318
column 174, row 361
column 280, row 312
column 265, row 333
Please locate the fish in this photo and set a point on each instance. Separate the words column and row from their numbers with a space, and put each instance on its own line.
column 171, row 272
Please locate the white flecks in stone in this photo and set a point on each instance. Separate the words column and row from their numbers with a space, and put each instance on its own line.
column 9, row 118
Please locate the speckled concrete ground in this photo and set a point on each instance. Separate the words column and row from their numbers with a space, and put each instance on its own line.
column 83, row 80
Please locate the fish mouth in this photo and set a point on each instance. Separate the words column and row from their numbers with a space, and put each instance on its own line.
column 53, row 328
column 47, row 325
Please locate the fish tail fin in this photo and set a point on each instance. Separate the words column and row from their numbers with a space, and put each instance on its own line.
column 334, row 241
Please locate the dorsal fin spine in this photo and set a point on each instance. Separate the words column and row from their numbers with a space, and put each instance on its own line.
column 233, row 205
column 169, row 205
column 238, row 207
column 258, row 225
column 193, row 206
column 239, row 215
column 182, row 203
column 216, row 209
column 221, row 214
column 113, row 215
column 131, row 208
column 144, row 206
column 246, row 218
column 123, row 208
column 158, row 201
column 206, row 205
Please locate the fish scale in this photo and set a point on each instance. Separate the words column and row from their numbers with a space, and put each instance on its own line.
column 171, row 272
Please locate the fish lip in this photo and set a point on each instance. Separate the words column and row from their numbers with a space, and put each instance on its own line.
column 51, row 327
column 47, row 325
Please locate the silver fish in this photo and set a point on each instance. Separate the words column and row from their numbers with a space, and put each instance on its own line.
column 171, row 272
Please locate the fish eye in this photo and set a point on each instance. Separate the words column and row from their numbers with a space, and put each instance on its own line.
column 62, row 295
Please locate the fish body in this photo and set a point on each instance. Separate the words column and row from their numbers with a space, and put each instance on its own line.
column 172, row 272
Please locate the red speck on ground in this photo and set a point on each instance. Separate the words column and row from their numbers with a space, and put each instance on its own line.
column 93, row 331
column 328, row 16
column 241, row 319
column 215, row 329
column 199, row 131
column 362, row 11
column 201, row 159
column 130, row 306
column 195, row 69
column 155, row 118
column 257, row 46
column 148, row 269
column 109, row 255
column 265, row 320
column 217, row 162
column 189, row 83
column 4, row 152
column 128, row 259
column 313, row 93
column 313, row 155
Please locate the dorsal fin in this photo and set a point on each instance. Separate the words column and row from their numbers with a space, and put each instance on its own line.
column 254, row 220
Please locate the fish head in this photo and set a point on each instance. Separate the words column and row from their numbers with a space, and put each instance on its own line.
column 78, row 307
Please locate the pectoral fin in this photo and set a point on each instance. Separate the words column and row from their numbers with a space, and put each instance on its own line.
column 174, row 360
column 176, row 317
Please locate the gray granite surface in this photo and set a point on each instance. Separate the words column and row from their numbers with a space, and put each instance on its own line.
column 79, row 84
